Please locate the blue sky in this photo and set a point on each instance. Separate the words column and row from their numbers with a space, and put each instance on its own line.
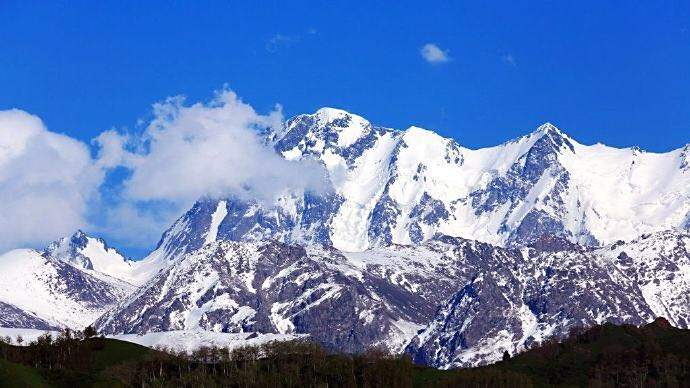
column 616, row 73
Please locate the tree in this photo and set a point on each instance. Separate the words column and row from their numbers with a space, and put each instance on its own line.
column 66, row 334
column 506, row 356
column 19, row 340
column 90, row 332
column 45, row 339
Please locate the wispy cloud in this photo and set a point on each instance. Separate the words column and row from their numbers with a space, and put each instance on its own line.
column 434, row 54
column 509, row 59
column 278, row 41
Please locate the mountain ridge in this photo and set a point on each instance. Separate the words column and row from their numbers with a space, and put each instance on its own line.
column 450, row 254
column 402, row 187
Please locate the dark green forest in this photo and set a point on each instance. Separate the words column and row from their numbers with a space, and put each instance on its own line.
column 603, row 356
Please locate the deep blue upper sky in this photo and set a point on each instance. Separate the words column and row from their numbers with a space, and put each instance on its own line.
column 618, row 73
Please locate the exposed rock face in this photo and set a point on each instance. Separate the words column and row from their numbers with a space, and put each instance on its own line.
column 450, row 301
column 69, row 249
column 272, row 287
column 685, row 158
column 658, row 265
column 300, row 218
column 510, row 305
column 11, row 316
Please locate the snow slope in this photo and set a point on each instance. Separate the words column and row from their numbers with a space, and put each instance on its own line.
column 28, row 335
column 55, row 291
column 404, row 186
column 189, row 341
column 186, row 341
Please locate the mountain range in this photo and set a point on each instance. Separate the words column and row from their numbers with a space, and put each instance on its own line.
column 449, row 254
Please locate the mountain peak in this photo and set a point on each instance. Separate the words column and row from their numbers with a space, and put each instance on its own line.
column 548, row 128
column 90, row 253
column 79, row 238
column 325, row 128
column 68, row 245
column 329, row 114
column 548, row 133
column 348, row 126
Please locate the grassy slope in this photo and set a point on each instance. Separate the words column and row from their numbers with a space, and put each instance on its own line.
column 16, row 375
column 115, row 352
column 107, row 353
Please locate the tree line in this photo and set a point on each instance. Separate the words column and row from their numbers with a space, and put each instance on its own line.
column 602, row 356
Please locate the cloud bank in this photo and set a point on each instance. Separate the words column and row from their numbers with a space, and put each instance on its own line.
column 47, row 182
column 207, row 150
column 50, row 184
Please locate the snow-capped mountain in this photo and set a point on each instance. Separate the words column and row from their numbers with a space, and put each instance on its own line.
column 93, row 256
column 403, row 187
column 41, row 292
column 448, row 301
column 451, row 254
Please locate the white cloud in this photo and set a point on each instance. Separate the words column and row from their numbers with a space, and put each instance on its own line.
column 112, row 149
column 50, row 185
column 208, row 150
column 47, row 181
column 190, row 151
column 434, row 54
